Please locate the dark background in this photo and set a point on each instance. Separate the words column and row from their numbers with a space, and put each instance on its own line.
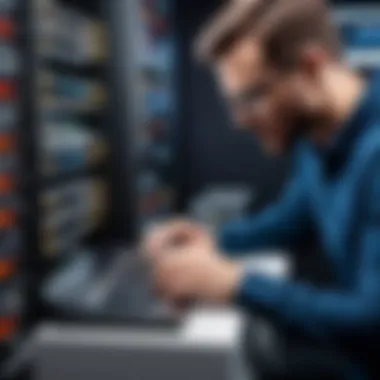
column 216, row 152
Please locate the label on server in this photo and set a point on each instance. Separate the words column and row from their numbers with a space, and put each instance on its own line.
column 8, row 117
column 11, row 308
column 9, row 63
column 10, row 244
column 8, row 6
column 10, row 201
column 8, row 163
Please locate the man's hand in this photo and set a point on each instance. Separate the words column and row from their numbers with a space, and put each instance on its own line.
column 176, row 233
column 197, row 272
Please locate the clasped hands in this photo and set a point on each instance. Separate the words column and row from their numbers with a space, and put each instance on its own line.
column 188, row 266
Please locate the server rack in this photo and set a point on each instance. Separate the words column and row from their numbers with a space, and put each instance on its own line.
column 117, row 71
column 87, row 104
column 55, row 168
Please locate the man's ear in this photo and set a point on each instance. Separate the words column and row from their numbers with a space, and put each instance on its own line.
column 312, row 58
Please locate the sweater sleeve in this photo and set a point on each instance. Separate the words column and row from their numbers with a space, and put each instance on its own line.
column 276, row 227
column 328, row 312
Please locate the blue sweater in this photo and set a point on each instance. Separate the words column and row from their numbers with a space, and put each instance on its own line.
column 337, row 193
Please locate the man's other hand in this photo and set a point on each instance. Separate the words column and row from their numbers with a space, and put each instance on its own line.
column 176, row 233
column 197, row 271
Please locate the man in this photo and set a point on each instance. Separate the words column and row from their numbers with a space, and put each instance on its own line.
column 279, row 66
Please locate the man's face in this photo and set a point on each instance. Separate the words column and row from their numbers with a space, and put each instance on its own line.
column 278, row 107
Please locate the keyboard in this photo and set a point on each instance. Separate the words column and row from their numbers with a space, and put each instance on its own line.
column 127, row 290
column 122, row 290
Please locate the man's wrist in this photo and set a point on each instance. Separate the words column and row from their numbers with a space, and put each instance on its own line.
column 233, row 276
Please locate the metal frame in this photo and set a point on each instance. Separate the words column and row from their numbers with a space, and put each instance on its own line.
column 122, row 117
column 31, row 268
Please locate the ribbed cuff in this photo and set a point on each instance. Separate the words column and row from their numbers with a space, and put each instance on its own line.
column 261, row 293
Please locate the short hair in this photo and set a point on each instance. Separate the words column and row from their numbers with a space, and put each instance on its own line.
column 283, row 26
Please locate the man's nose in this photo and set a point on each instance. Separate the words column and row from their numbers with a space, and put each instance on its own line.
column 247, row 119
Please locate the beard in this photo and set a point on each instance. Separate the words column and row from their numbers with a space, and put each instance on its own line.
column 304, row 123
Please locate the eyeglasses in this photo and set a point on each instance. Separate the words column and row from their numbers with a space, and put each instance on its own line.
column 251, row 96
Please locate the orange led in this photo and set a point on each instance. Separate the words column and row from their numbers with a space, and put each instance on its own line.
column 7, row 269
column 7, row 184
column 8, row 218
column 8, row 327
column 7, row 143
column 7, row 91
column 7, row 28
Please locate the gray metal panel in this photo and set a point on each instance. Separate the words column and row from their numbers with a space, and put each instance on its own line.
column 102, row 354
column 125, row 115
column 122, row 363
